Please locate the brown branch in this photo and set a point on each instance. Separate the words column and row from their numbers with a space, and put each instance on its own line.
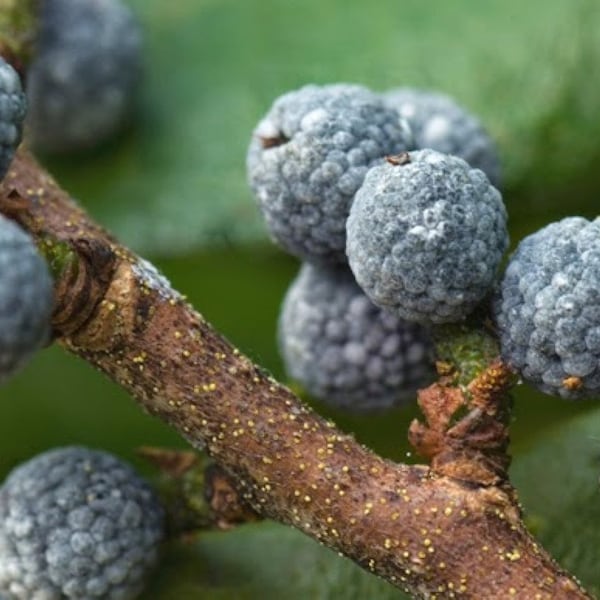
column 433, row 535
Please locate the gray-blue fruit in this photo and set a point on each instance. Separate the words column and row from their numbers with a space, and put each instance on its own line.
column 439, row 123
column 12, row 114
column 76, row 523
column 309, row 155
column 81, row 84
column 547, row 309
column 346, row 351
column 426, row 236
column 26, row 298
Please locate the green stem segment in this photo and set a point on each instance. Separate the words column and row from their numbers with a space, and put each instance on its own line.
column 465, row 349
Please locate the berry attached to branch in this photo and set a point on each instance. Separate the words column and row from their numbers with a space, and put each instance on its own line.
column 26, row 298
column 425, row 236
column 345, row 350
column 548, row 309
column 12, row 114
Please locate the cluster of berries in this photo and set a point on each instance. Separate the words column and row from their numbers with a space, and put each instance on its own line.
column 391, row 202
column 395, row 235
column 77, row 523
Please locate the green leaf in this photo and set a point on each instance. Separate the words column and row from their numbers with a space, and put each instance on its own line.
column 176, row 180
column 558, row 484
column 265, row 560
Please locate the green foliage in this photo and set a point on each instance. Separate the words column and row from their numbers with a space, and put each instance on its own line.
column 173, row 186
column 266, row 561
column 176, row 180
column 559, row 485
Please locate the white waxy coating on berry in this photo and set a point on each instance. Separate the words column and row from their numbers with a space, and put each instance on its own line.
column 439, row 123
column 81, row 84
column 309, row 155
column 76, row 523
column 547, row 309
column 346, row 351
column 425, row 238
column 12, row 114
column 26, row 298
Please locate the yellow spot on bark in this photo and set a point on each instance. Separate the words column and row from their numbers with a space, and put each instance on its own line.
column 514, row 555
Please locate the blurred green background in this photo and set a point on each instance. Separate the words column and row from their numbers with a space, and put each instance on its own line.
column 173, row 188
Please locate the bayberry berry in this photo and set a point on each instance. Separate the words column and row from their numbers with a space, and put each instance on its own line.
column 346, row 351
column 309, row 155
column 426, row 234
column 548, row 308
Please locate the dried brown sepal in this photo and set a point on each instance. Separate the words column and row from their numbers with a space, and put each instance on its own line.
column 228, row 507
column 465, row 435
column 173, row 463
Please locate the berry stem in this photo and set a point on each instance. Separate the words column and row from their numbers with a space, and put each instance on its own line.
column 431, row 534
column 467, row 411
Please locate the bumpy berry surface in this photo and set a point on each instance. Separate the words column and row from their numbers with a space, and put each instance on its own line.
column 548, row 308
column 12, row 114
column 76, row 523
column 439, row 123
column 309, row 155
column 425, row 238
column 26, row 298
column 343, row 349
column 82, row 81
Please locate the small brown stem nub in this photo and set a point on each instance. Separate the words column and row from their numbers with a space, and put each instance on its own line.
column 398, row 159
column 273, row 142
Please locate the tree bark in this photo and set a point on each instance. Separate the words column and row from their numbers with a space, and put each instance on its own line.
column 431, row 532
